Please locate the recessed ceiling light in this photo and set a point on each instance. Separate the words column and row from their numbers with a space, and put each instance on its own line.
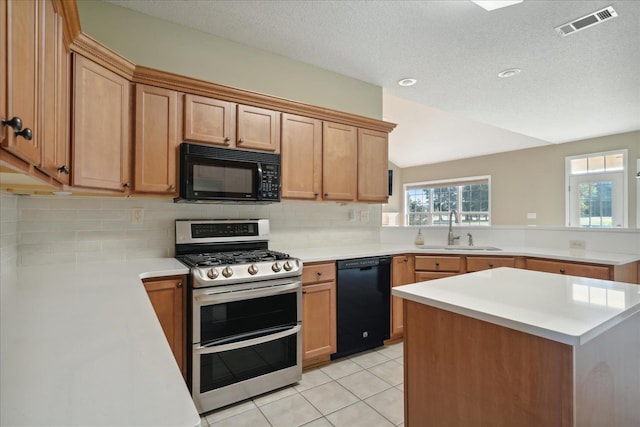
column 496, row 4
column 407, row 82
column 510, row 72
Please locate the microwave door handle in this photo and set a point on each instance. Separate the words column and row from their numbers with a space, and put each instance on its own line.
column 259, row 190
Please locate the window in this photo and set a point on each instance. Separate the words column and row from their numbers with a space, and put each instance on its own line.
column 429, row 203
column 596, row 190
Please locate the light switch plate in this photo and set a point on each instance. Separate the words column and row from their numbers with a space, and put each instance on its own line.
column 577, row 244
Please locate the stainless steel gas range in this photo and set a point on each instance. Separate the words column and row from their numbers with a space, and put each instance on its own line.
column 245, row 310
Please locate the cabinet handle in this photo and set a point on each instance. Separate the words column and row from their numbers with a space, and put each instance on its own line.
column 172, row 187
column 64, row 169
column 25, row 133
column 15, row 123
column 562, row 271
column 179, row 285
column 316, row 194
column 319, row 273
column 490, row 265
column 326, row 194
column 127, row 185
column 406, row 259
column 227, row 139
column 240, row 141
column 304, row 292
column 437, row 264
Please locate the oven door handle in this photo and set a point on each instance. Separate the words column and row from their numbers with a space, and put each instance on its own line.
column 220, row 297
column 216, row 347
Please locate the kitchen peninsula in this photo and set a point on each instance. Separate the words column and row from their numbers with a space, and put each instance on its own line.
column 508, row 347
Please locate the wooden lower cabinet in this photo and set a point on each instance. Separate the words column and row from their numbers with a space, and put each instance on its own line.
column 402, row 273
column 569, row 268
column 318, row 312
column 477, row 263
column 168, row 297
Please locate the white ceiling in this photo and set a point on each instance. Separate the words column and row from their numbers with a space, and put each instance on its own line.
column 570, row 88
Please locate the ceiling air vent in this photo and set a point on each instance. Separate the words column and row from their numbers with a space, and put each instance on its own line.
column 587, row 21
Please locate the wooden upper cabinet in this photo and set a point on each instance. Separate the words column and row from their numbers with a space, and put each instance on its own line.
column 258, row 129
column 20, row 30
column 373, row 166
column 301, row 153
column 54, row 96
column 209, row 121
column 339, row 161
column 102, row 130
column 3, row 72
column 156, row 140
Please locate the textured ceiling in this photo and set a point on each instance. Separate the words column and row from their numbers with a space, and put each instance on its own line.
column 570, row 88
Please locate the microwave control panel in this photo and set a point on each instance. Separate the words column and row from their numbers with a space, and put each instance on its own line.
column 270, row 182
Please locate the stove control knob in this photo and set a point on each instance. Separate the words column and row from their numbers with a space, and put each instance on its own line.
column 253, row 269
column 213, row 273
column 227, row 272
column 276, row 267
column 288, row 266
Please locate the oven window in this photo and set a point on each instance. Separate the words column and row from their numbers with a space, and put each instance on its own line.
column 230, row 367
column 240, row 317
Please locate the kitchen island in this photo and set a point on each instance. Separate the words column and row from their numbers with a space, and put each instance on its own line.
column 507, row 347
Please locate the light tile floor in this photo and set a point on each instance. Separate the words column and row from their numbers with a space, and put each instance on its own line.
column 365, row 390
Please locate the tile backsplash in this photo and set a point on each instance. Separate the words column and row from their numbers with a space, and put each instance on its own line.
column 8, row 239
column 67, row 229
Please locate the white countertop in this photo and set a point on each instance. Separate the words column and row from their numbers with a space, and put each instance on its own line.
column 378, row 249
column 81, row 345
column 567, row 309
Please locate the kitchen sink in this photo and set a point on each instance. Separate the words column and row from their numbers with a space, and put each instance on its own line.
column 460, row 248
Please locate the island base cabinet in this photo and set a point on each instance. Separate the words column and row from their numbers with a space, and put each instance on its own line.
column 465, row 372
column 461, row 371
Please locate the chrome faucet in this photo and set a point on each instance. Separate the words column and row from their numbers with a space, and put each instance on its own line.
column 451, row 238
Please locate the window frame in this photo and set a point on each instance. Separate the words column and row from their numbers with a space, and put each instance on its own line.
column 450, row 182
column 624, row 175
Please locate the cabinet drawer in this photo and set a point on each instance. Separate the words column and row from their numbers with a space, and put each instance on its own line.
column 582, row 270
column 422, row 276
column 313, row 273
column 485, row 263
column 438, row 263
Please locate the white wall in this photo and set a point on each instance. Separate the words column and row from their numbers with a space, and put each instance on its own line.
column 71, row 229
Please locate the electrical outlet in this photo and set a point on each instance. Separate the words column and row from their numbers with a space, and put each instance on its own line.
column 364, row 216
column 577, row 244
column 531, row 215
column 352, row 215
column 137, row 216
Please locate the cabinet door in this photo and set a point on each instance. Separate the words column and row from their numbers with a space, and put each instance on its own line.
column 318, row 320
column 101, row 132
column 209, row 121
column 560, row 267
column 21, row 26
column 156, row 140
column 373, row 166
column 54, row 95
column 402, row 273
column 301, row 157
column 168, row 299
column 258, row 129
column 339, row 162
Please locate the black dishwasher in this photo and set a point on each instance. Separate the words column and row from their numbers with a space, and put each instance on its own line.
column 363, row 303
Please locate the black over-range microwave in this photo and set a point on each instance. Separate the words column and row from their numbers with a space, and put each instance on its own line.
column 212, row 174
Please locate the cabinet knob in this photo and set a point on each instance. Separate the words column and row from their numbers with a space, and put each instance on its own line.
column 304, row 292
column 227, row 139
column 127, row 184
column 406, row 259
column 15, row 123
column 316, row 194
column 326, row 194
column 562, row 271
column 240, row 141
column 25, row 133
column 172, row 187
column 319, row 273
column 490, row 265
column 64, row 169
column 437, row 264
column 179, row 285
